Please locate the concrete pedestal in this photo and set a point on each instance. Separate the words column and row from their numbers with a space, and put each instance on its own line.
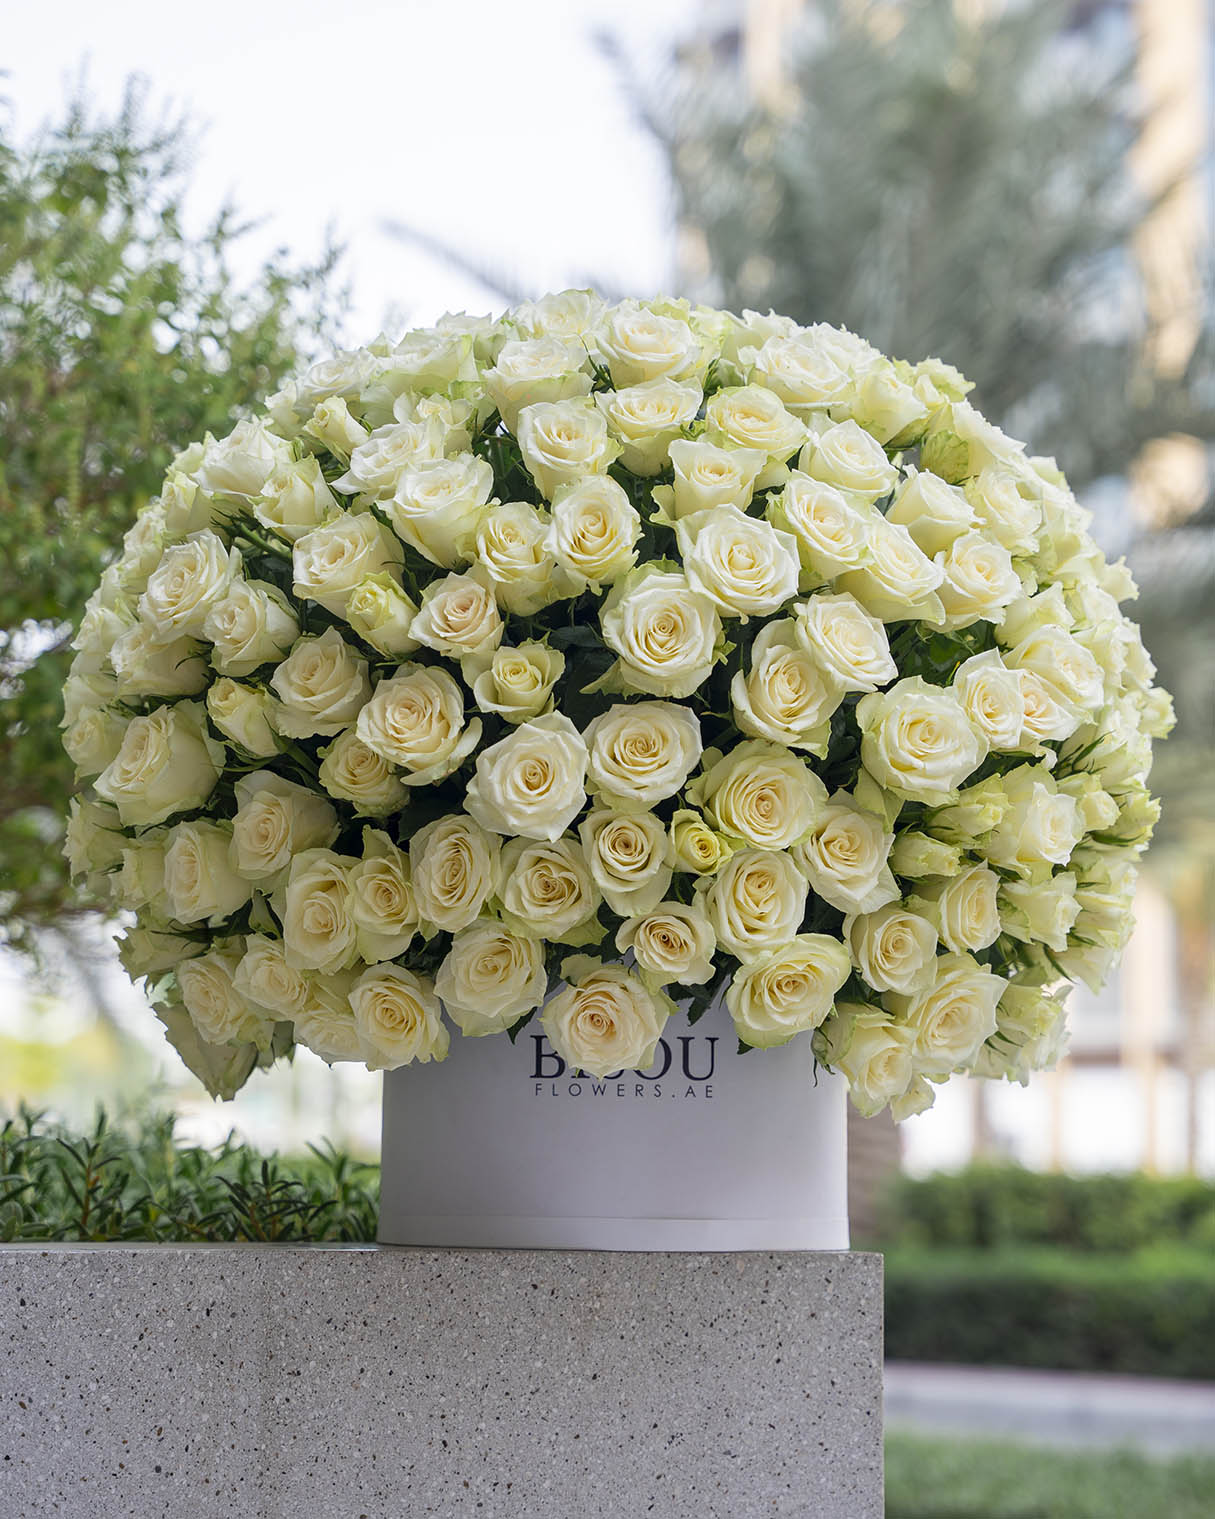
column 386, row 1383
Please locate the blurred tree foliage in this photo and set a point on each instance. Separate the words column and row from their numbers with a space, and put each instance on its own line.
column 943, row 179
column 123, row 336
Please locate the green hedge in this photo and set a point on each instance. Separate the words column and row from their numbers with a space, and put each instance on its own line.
column 1152, row 1313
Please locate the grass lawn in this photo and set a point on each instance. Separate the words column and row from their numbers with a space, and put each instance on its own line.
column 934, row 1478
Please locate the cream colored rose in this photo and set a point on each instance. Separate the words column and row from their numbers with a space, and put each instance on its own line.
column 752, row 416
column 416, row 720
column 377, row 463
column 604, row 1019
column 896, row 582
column 873, row 1054
column 847, row 457
column 787, row 990
column 962, row 907
column 641, row 752
column 786, row 697
column 1043, row 717
column 760, row 793
column 917, row 740
column 933, row 511
column 894, row 950
column 665, row 633
column 513, row 559
column 218, row 1012
column 708, row 475
column 295, row 499
column 355, row 773
column 697, row 849
column 184, row 509
column 961, row 443
column 755, row 902
column 952, row 1016
column 382, row 615
column 1039, row 828
column 743, row 565
column 94, row 739
column 438, row 505
column 318, row 926
column 82, row 692
column 532, row 782
column 647, row 418
column 458, row 617
column 141, row 881
column 332, row 425
column 562, row 441
column 241, row 463
column 992, row 697
column 456, row 868
column 1064, row 666
column 398, row 1018
column 321, row 686
column 101, row 626
column 832, row 532
column 329, row 562
column 1044, row 912
column 848, row 643
column 167, row 763
column 535, row 369
column 916, row 855
column 593, row 532
column 547, row 891
column 325, row 1025
column 264, row 978
column 629, row 855
column 519, row 682
column 381, row 899
column 199, row 881
column 242, row 714
column 979, row 581
column 93, row 838
column 275, row 820
column 251, row 626
column 149, row 952
column 490, row 978
column 566, row 314
column 190, row 579
column 807, row 375
column 145, row 664
column 889, row 407
column 673, row 942
column 1000, row 508
column 845, row 857
column 639, row 344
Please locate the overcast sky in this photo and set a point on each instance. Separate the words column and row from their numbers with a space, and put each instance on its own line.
column 494, row 124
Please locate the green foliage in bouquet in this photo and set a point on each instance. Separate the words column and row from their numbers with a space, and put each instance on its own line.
column 598, row 659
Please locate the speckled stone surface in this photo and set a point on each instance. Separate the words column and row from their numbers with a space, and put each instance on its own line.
column 388, row 1383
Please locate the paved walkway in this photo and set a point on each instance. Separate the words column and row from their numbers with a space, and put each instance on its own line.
column 1060, row 1407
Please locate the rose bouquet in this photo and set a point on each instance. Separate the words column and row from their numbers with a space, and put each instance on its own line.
column 598, row 659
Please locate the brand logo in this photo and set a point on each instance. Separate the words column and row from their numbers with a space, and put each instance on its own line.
column 694, row 1060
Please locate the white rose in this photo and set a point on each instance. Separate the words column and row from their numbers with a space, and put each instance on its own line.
column 460, row 618
column 641, row 752
column 640, row 344
column 382, row 615
column 673, row 942
column 1042, row 912
column 329, row 562
column 916, row 855
column 295, row 499
column 547, row 891
column 532, row 782
column 535, row 369
column 252, row 625
column 893, row 949
column 1030, row 614
column 786, row 696
column 917, row 741
column 1064, row 666
column 806, row 374
column 189, row 580
column 593, row 532
column 241, row 463
column 398, row 1018
column 848, row 643
column 832, row 533
column 933, row 511
column 1043, row 717
column 184, row 509
column 743, row 565
column 1039, row 828
column 992, row 697
column 146, row 664
column 896, row 582
column 629, row 855
column 1011, row 518
column 242, row 715
column 788, row 990
column 567, row 314
column 872, row 1053
column 696, row 848
column 379, row 461
column 94, row 739
column 167, row 763
column 102, row 625
column 263, row 977
column 490, row 978
column 82, row 692
column 435, row 359
column 382, row 902
column 353, row 772
column 274, row 820
column 846, row 456
column 761, row 793
column 217, row 1010
column 752, row 416
column 647, row 419
column 664, row 632
column 438, row 505
column 708, row 475
column 962, row 907
column 604, row 1019
column 319, row 930
column 519, row 682
column 513, row 559
column 755, row 901
column 456, row 867
column 322, row 686
column 952, row 1016
column 561, row 441
column 141, row 881
column 325, row 1025
column 979, row 581
column 889, row 407
column 200, row 883
column 846, row 857
column 416, row 720
column 148, row 952
column 961, row 443
column 93, row 838
column 332, row 425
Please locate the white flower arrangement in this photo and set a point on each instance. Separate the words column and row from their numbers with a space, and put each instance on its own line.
column 597, row 659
